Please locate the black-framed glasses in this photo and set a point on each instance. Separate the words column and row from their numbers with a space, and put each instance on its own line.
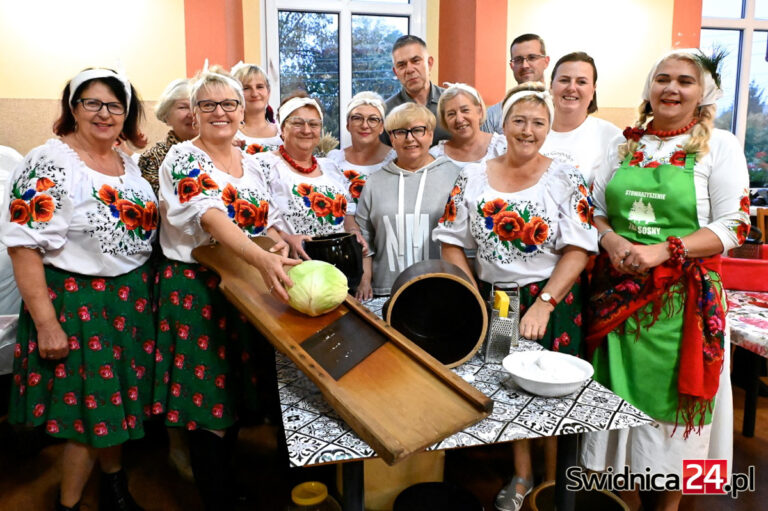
column 94, row 105
column 208, row 105
column 298, row 123
column 532, row 58
column 415, row 132
column 358, row 120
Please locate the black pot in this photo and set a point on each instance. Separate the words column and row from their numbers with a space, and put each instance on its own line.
column 341, row 250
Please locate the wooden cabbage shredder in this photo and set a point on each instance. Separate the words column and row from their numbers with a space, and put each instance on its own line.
column 394, row 395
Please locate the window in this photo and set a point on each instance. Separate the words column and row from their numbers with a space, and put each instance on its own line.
column 740, row 27
column 334, row 49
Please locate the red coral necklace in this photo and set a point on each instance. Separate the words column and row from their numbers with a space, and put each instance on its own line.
column 292, row 162
column 671, row 133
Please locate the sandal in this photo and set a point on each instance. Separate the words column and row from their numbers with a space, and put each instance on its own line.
column 508, row 499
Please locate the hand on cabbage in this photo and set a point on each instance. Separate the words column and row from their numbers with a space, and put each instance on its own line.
column 318, row 287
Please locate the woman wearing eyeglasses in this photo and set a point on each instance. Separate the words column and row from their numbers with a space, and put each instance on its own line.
column 462, row 111
column 79, row 230
column 400, row 205
column 367, row 154
column 258, row 133
column 205, row 348
column 309, row 192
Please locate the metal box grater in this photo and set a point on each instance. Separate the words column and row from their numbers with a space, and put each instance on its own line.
column 503, row 333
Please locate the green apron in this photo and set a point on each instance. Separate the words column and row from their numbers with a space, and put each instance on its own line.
column 646, row 205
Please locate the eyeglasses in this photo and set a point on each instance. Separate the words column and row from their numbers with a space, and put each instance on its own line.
column 416, row 131
column 94, row 105
column 298, row 123
column 208, row 106
column 532, row 58
column 358, row 120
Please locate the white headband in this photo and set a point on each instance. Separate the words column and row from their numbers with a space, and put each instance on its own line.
column 517, row 96
column 90, row 74
column 711, row 92
column 294, row 104
column 466, row 88
column 369, row 98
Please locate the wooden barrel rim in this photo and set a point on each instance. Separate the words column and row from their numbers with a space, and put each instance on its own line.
column 464, row 281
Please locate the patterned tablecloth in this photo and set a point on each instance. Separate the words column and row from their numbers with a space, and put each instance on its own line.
column 748, row 319
column 316, row 434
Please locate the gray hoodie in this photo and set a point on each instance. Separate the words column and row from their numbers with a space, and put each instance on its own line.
column 389, row 212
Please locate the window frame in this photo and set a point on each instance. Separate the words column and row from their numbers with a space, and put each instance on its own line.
column 747, row 25
column 415, row 10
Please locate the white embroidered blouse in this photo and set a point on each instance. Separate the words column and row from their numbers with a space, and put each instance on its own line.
column 519, row 236
column 81, row 220
column 313, row 206
column 190, row 185
column 355, row 176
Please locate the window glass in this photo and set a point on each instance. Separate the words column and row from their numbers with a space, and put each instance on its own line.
column 309, row 60
column 756, row 136
column 761, row 9
column 722, row 8
column 728, row 40
column 372, row 39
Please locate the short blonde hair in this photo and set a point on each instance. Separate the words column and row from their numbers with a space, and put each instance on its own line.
column 408, row 113
column 453, row 91
column 247, row 71
column 176, row 90
column 215, row 76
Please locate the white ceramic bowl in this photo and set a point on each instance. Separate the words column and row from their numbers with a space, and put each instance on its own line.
column 547, row 373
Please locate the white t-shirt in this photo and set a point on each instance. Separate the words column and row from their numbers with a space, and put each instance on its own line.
column 355, row 176
column 519, row 236
column 720, row 179
column 496, row 147
column 82, row 221
column 190, row 185
column 314, row 206
column 584, row 147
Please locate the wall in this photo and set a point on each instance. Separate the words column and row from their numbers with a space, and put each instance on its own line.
column 42, row 51
column 624, row 37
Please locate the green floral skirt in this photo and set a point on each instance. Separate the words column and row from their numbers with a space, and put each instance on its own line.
column 208, row 356
column 100, row 393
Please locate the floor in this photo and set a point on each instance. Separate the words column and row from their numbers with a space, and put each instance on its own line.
column 29, row 473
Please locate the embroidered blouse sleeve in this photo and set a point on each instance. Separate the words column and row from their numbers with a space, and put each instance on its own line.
column 40, row 208
column 454, row 226
column 575, row 209
column 363, row 217
column 187, row 190
column 728, row 188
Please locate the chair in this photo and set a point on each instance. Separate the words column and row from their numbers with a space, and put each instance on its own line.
column 761, row 214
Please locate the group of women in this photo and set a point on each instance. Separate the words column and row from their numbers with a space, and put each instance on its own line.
column 110, row 335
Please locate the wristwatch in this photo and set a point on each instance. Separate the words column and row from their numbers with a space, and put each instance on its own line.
column 548, row 298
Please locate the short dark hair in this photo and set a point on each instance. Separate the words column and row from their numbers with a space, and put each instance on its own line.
column 66, row 124
column 524, row 39
column 580, row 56
column 405, row 40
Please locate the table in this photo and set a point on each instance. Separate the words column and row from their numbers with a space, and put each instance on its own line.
column 315, row 434
column 748, row 319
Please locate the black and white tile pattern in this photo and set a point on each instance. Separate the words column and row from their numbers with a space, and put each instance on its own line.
column 315, row 434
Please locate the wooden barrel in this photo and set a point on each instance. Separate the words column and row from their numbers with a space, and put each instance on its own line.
column 435, row 305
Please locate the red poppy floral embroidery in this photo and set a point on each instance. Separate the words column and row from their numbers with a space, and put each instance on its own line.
column 326, row 206
column 512, row 227
column 136, row 216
